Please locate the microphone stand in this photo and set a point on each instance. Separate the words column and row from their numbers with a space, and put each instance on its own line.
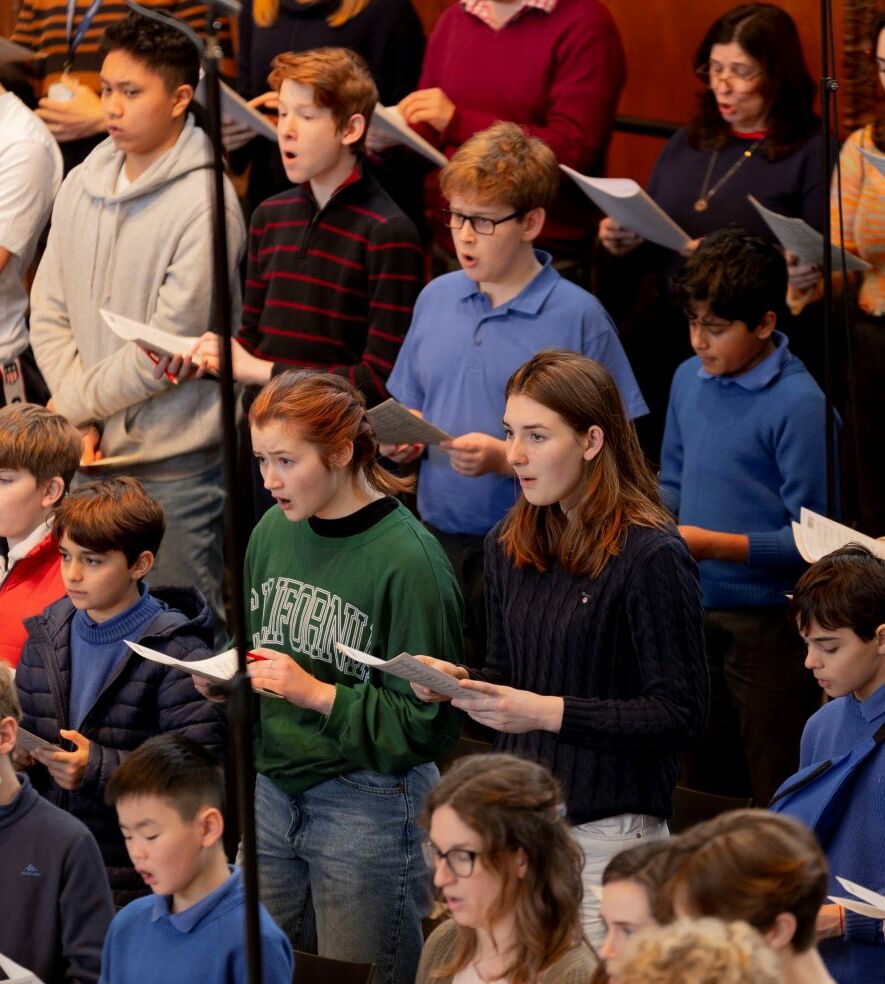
column 240, row 701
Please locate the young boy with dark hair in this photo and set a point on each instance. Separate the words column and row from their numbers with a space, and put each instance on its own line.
column 56, row 900
column 131, row 233
column 79, row 683
column 169, row 797
column 743, row 451
column 334, row 265
column 472, row 329
column 839, row 608
column 39, row 454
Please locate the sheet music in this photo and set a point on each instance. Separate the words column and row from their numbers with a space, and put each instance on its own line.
column 872, row 898
column 627, row 203
column 396, row 424
column 797, row 236
column 34, row 743
column 237, row 108
column 113, row 461
column 153, row 339
column 816, row 536
column 877, row 160
column 15, row 973
column 11, row 52
column 390, row 122
column 406, row 667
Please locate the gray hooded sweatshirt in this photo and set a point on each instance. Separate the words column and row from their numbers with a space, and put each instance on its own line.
column 145, row 253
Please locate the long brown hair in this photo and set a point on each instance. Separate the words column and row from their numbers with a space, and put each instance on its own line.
column 620, row 489
column 330, row 413
column 265, row 12
column 515, row 805
column 879, row 123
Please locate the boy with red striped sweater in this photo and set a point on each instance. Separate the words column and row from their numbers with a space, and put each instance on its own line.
column 334, row 265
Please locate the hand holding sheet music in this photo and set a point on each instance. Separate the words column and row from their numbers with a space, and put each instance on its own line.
column 389, row 121
column 147, row 336
column 396, row 424
column 235, row 107
column 406, row 667
column 872, row 905
column 33, row 743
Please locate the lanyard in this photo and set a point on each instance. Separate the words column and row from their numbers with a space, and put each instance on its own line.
column 75, row 39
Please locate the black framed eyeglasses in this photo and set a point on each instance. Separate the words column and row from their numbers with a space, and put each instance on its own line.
column 459, row 860
column 481, row 224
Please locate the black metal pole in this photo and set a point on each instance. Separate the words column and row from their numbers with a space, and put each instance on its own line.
column 240, row 697
column 827, row 86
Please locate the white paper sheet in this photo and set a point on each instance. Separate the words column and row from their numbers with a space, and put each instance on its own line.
column 114, row 461
column 31, row 742
column 861, row 908
column 396, row 424
column 154, row 339
column 15, row 973
column 867, row 894
column 390, row 122
column 406, row 667
column 623, row 200
column 797, row 236
column 877, row 160
column 816, row 536
column 12, row 52
column 236, row 107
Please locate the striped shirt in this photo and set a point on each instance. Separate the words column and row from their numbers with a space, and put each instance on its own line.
column 332, row 288
column 42, row 26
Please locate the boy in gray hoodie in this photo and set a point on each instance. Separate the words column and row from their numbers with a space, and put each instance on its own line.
column 132, row 233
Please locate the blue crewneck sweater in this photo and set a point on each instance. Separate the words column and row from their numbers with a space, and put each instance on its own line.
column 97, row 648
column 857, row 849
column 743, row 454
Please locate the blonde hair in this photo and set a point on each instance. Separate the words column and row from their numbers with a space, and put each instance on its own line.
column 696, row 951
column 9, row 705
column 503, row 164
column 265, row 12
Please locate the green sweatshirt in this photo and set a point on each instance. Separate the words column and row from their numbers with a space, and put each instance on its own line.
column 386, row 590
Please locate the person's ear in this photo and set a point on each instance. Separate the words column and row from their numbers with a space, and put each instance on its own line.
column 8, row 732
column 342, row 459
column 353, row 129
column 532, row 224
column 779, row 936
column 880, row 639
column 182, row 97
column 522, row 863
column 143, row 563
column 593, row 442
column 211, row 825
column 766, row 326
column 53, row 490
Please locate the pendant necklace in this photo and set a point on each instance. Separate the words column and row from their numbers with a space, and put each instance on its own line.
column 706, row 192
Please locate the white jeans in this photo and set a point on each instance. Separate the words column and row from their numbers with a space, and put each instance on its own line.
column 601, row 840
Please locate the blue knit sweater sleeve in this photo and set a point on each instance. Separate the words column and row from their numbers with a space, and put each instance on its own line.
column 672, row 450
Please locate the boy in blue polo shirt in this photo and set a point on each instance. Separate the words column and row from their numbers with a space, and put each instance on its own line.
column 169, row 795
column 472, row 329
column 743, row 451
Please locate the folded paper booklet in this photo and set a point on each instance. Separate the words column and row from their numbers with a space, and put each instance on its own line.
column 872, row 906
column 877, row 160
column 147, row 336
column 396, row 424
column 816, row 536
column 390, row 122
column 218, row 669
column 623, row 200
column 234, row 106
column 797, row 236
column 12, row 52
column 14, row 973
column 111, row 463
column 406, row 667
column 34, row 743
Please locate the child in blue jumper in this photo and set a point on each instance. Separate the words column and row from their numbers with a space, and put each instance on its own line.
column 169, row 796
column 839, row 607
column 743, row 451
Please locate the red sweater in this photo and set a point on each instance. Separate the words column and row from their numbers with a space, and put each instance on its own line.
column 33, row 583
column 559, row 74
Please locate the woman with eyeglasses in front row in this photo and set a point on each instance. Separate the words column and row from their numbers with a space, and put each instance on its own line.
column 505, row 863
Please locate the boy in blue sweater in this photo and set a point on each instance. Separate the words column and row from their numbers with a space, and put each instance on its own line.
column 743, row 451
column 839, row 607
column 169, row 796
column 81, row 688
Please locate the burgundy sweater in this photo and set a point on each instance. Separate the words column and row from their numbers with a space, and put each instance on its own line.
column 559, row 74
column 332, row 288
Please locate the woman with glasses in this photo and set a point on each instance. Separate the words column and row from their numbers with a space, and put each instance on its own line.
column 755, row 133
column 595, row 660
column 508, row 870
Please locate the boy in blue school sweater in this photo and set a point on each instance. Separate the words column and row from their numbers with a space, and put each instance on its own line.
column 169, row 796
column 839, row 608
column 743, row 451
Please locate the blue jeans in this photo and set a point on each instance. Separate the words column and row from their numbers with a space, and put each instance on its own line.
column 340, row 867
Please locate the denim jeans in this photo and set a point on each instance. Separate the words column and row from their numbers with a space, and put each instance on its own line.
column 340, row 867
column 601, row 840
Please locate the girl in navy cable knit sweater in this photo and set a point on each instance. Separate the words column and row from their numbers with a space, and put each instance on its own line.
column 595, row 660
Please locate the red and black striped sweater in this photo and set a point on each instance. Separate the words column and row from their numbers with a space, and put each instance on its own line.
column 332, row 288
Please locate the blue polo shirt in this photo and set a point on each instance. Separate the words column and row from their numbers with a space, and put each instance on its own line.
column 455, row 363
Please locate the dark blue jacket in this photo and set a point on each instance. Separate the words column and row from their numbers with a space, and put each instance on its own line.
column 140, row 699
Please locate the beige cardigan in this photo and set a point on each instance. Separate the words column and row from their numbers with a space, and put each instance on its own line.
column 575, row 967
